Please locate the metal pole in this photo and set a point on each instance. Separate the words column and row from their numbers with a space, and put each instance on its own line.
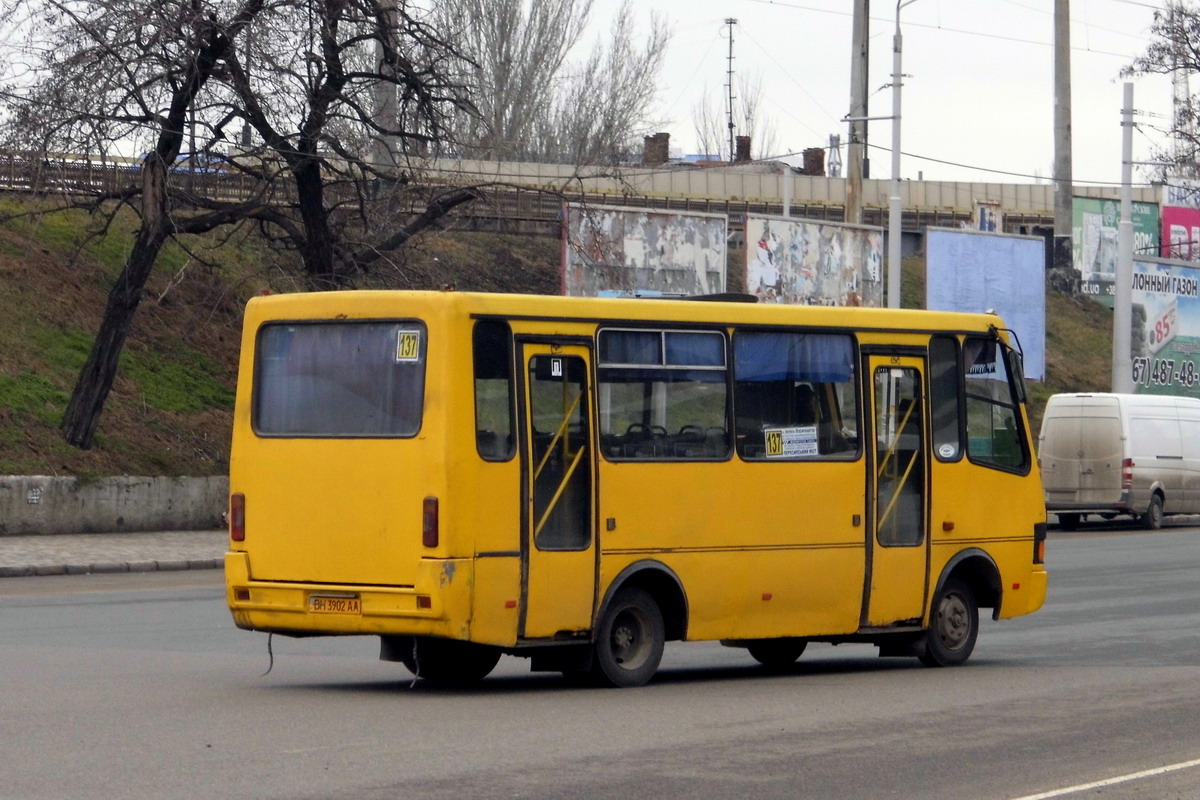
column 729, row 86
column 894, row 250
column 858, row 112
column 1063, row 184
column 1122, row 345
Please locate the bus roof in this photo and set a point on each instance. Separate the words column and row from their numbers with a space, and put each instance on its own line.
column 361, row 304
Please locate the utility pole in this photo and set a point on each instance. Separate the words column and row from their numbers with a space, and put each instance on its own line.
column 1062, row 265
column 246, row 69
column 730, row 21
column 856, row 148
column 894, row 210
column 1184, row 128
column 383, row 152
column 1122, row 337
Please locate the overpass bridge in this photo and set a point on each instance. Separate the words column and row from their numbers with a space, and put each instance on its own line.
column 527, row 198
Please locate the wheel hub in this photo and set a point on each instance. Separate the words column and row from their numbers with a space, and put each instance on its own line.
column 953, row 622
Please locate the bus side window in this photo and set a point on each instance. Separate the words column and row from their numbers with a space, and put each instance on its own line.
column 794, row 395
column 492, row 355
column 944, row 382
column 662, row 395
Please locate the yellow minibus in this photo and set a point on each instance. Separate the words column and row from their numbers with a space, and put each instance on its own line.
column 580, row 480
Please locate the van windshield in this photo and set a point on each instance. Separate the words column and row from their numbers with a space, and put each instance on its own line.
column 356, row 379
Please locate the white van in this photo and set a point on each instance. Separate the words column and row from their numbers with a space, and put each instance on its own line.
column 1111, row 454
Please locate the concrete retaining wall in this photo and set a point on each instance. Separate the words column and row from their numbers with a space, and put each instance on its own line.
column 41, row 504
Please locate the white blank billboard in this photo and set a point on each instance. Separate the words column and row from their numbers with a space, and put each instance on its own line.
column 977, row 272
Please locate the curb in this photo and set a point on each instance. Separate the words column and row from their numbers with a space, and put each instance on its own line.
column 29, row 571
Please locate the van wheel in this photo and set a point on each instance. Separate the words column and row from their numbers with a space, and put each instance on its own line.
column 630, row 640
column 1068, row 522
column 1153, row 518
column 953, row 626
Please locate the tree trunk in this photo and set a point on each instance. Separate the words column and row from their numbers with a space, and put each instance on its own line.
column 100, row 370
column 320, row 267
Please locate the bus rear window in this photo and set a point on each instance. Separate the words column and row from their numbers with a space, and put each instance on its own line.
column 355, row 379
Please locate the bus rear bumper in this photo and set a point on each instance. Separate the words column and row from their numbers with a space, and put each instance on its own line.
column 432, row 607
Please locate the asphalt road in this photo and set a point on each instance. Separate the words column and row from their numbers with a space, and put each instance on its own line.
column 138, row 685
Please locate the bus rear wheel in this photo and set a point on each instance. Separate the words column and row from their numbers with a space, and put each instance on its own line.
column 448, row 662
column 629, row 641
column 776, row 653
column 953, row 626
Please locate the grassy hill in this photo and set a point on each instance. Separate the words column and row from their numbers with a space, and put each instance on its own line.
column 169, row 412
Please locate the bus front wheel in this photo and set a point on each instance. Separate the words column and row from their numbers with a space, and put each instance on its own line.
column 630, row 640
column 448, row 662
column 953, row 626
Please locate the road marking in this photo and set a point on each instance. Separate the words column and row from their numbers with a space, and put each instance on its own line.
column 1133, row 776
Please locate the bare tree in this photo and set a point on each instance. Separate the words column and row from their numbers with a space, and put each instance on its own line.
column 710, row 117
column 534, row 102
column 154, row 75
column 1174, row 50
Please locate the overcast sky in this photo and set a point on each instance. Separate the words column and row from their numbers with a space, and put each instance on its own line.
column 979, row 92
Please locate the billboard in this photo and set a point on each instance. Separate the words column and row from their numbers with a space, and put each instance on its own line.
column 1094, row 241
column 638, row 251
column 1180, row 233
column 1165, row 328
column 805, row 262
column 972, row 271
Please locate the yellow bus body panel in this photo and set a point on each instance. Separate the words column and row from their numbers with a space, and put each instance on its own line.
column 762, row 549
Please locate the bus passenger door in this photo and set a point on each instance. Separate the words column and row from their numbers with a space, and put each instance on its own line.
column 898, row 485
column 558, row 541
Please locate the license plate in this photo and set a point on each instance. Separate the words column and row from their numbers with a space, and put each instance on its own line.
column 329, row 604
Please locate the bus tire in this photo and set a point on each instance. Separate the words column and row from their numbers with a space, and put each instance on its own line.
column 1068, row 522
column 448, row 662
column 953, row 626
column 629, row 640
column 1152, row 520
column 776, row 653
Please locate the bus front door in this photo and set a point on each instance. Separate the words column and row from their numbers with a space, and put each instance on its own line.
column 898, row 486
column 559, row 543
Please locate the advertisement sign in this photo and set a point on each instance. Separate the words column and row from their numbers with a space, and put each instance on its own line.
column 804, row 262
column 634, row 251
column 1180, row 233
column 1166, row 327
column 1094, row 241
column 967, row 270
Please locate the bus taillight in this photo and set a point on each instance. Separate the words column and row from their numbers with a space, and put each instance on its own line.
column 1039, row 543
column 237, row 517
column 429, row 522
column 1127, row 474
